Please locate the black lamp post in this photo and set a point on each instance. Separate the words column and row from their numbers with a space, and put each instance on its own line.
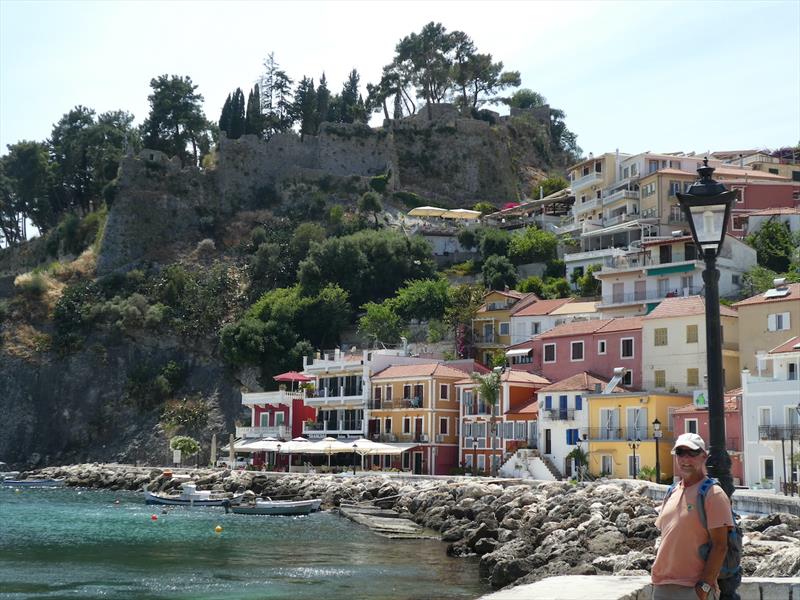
column 633, row 445
column 277, row 456
column 474, row 457
column 792, row 432
column 707, row 207
column 657, row 433
column 355, row 447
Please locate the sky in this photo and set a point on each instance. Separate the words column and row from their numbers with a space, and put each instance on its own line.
column 633, row 76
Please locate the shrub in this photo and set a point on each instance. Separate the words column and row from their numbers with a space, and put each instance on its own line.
column 468, row 238
column 380, row 322
column 185, row 444
column 258, row 236
column 494, row 242
column 498, row 272
column 533, row 245
column 379, row 183
column 409, row 199
column 206, row 247
column 4, row 310
column 31, row 285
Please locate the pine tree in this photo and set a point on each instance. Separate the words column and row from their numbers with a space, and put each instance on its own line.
column 237, row 115
column 305, row 107
column 283, row 111
column 350, row 98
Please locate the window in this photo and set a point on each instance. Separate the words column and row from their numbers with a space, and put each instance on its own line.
column 674, row 187
column 583, row 198
column 671, row 418
column 549, row 353
column 633, row 465
column 692, row 377
column 660, row 336
column 586, row 170
column 691, row 334
column 536, row 328
column 388, row 393
column 689, row 251
column 618, row 292
column 504, row 328
column 626, row 172
column 598, row 167
column 648, row 190
column 598, row 193
column 627, row 379
column 576, row 351
column 792, row 375
column 418, row 391
column 634, row 170
column 406, row 392
column 626, row 348
column 767, row 469
column 578, row 402
column 661, row 379
column 736, row 279
column 481, row 462
column 601, row 346
column 387, row 425
column 764, row 416
column 690, row 426
column 572, row 437
column 778, row 321
column 263, row 419
column 687, row 282
column 377, row 394
column 443, row 425
column 639, row 290
column 279, row 419
column 406, row 424
column 738, row 223
column 606, row 465
column 774, row 171
column 663, row 287
column 652, row 166
column 548, row 402
column 444, row 391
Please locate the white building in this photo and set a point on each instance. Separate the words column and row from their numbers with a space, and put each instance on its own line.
column 789, row 216
column 668, row 267
column 770, row 419
column 564, row 418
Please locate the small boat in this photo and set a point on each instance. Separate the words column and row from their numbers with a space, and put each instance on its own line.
column 191, row 496
column 33, row 482
column 267, row 506
column 5, row 473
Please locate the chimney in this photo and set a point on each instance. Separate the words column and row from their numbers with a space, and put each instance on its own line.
column 597, row 388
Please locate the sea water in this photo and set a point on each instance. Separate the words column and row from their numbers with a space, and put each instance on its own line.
column 67, row 543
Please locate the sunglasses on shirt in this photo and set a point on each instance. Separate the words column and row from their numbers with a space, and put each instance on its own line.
column 687, row 452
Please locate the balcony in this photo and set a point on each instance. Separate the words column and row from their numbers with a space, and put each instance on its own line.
column 279, row 431
column 620, row 195
column 580, row 207
column 420, row 438
column 396, row 403
column 586, row 180
column 273, row 398
column 623, row 434
column 557, row 414
column 646, row 296
column 481, row 409
column 333, row 427
column 327, row 397
column 487, row 339
column 778, row 432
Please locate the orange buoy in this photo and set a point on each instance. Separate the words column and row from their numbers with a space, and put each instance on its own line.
column 218, row 529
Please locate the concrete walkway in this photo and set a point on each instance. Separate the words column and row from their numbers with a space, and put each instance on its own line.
column 608, row 587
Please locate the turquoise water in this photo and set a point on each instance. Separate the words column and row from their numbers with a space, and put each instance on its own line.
column 64, row 543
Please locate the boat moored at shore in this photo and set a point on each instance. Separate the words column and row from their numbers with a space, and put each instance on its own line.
column 191, row 496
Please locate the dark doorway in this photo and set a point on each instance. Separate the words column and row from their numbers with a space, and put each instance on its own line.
column 418, row 463
column 547, row 442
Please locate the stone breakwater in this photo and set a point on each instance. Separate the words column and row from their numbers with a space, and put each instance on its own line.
column 522, row 532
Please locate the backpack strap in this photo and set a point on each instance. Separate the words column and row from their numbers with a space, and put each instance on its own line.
column 707, row 484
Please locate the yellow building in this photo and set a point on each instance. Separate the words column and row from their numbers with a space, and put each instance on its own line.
column 491, row 327
column 621, row 435
column 417, row 405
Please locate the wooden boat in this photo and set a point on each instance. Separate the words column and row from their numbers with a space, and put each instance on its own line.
column 190, row 496
column 267, row 506
column 33, row 482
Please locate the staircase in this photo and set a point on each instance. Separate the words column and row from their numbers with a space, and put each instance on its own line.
column 534, row 466
column 550, row 466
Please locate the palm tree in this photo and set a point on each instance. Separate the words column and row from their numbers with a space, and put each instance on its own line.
column 581, row 458
column 489, row 390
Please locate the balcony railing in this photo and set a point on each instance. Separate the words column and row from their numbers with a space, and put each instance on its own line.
column 778, row 432
column 586, row 180
column 647, row 295
column 580, row 207
column 280, row 431
column 274, row 398
column 558, row 414
column 621, row 218
column 621, row 195
column 413, row 437
column 624, row 434
column 471, row 409
column 333, row 426
column 486, row 338
column 396, row 403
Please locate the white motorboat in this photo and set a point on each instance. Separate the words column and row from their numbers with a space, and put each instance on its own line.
column 191, row 496
column 33, row 482
column 5, row 473
column 267, row 506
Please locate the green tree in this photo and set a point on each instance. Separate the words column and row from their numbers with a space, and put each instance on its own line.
column 774, row 244
column 349, row 99
column 370, row 202
column 176, row 119
column 525, row 98
column 480, row 80
column 498, row 273
column 303, row 236
column 468, row 238
column 556, row 287
column 188, row 446
column 28, row 171
column 12, row 220
column 551, row 185
column 532, row 284
column 532, row 245
column 484, row 208
column 423, row 299
column 588, row 285
column 305, row 107
column 759, row 279
column 380, row 322
column 494, row 242
column 254, row 121
column 323, row 100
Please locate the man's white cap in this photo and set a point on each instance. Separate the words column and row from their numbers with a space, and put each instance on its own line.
column 691, row 441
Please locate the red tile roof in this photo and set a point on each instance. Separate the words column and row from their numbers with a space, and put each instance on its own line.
column 622, row 324
column 540, row 307
column 512, row 376
column 579, row 382
column 684, row 306
column 423, row 370
column 531, row 408
column 792, row 345
column 794, row 294
column 574, row 328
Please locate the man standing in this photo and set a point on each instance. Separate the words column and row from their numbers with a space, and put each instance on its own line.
column 680, row 571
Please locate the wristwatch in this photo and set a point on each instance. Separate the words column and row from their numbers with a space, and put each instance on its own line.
column 703, row 586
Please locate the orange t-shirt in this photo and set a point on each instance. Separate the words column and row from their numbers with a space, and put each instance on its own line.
column 678, row 560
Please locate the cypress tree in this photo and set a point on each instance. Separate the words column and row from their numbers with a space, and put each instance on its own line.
column 323, row 100
column 237, row 115
column 225, row 116
column 253, row 121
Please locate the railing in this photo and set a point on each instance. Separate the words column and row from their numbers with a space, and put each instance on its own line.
column 621, row 195
column 621, row 218
column 778, row 432
column 481, row 409
column 384, row 437
column 413, row 437
column 624, row 434
column 580, row 207
column 279, row 397
column 647, row 295
column 485, row 338
column 334, row 425
column 396, row 403
column 586, row 180
column 342, row 392
column 557, row 414
column 280, row 431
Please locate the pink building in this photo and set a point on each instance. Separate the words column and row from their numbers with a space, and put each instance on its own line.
column 597, row 346
column 690, row 419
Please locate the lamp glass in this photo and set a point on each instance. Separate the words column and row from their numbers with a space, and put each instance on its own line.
column 708, row 224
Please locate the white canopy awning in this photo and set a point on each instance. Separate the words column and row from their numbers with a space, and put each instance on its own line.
column 426, row 211
column 368, row 447
column 519, row 352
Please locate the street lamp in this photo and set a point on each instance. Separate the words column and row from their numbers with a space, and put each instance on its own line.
column 578, row 459
column 474, row 457
column 657, row 433
column 633, row 445
column 277, row 456
column 355, row 448
column 792, row 431
column 707, row 207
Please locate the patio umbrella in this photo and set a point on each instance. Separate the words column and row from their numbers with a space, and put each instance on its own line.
column 231, row 452
column 330, row 446
column 461, row 213
column 213, row 458
column 294, row 377
column 365, row 447
column 426, row 211
column 298, row 445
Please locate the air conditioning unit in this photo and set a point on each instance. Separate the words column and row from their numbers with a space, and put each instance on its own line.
column 439, row 438
column 423, row 437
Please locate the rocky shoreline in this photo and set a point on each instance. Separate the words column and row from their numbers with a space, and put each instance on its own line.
column 522, row 532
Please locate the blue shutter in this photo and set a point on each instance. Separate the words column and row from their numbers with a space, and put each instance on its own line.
column 569, row 437
column 578, row 402
column 562, row 407
column 548, row 402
